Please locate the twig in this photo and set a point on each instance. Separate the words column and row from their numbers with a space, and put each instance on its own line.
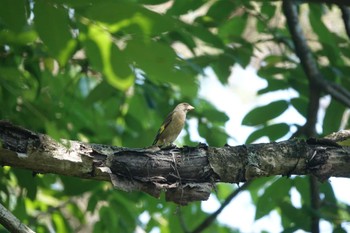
column 306, row 57
column 315, row 203
column 339, row 2
column 316, row 84
column 209, row 220
column 11, row 223
column 182, row 220
column 346, row 18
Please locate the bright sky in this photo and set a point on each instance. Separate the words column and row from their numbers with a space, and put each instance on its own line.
column 236, row 99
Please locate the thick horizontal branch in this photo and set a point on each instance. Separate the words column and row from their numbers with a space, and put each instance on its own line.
column 186, row 174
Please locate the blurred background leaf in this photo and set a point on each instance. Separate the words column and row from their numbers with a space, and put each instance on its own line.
column 109, row 72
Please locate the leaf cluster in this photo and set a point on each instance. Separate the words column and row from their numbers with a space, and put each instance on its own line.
column 110, row 71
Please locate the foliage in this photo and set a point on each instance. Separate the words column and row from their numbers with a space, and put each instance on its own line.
column 109, row 71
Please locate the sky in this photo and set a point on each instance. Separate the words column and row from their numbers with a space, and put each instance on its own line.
column 236, row 99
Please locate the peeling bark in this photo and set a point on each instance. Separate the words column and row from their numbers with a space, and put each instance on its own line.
column 186, row 174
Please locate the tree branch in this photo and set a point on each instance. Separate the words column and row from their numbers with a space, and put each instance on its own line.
column 346, row 18
column 11, row 223
column 306, row 57
column 339, row 2
column 315, row 203
column 209, row 220
column 187, row 174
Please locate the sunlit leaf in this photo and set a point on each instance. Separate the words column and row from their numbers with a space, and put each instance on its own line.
column 107, row 58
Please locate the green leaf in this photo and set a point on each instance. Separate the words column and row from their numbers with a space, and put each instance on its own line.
column 273, row 132
column 180, row 7
column 327, row 189
column 156, row 59
column 52, row 24
column 325, row 37
column 268, row 9
column 268, row 71
column 12, row 13
column 261, row 115
column 60, row 223
column 138, row 104
column 96, row 196
column 259, row 184
column 302, row 185
column 203, row 34
column 333, row 117
column 220, row 11
column 188, row 84
column 233, row 28
column 127, row 222
column 20, row 210
column 273, row 196
column 130, row 18
column 214, row 115
column 296, row 217
column 245, row 53
column 300, row 104
column 152, row 2
column 339, row 229
column 75, row 210
column 107, row 58
column 108, row 221
column 27, row 180
column 102, row 92
column 183, row 37
column 224, row 190
column 274, row 84
column 223, row 67
column 329, row 210
column 74, row 186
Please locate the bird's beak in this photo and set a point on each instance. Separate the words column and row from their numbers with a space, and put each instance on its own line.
column 189, row 108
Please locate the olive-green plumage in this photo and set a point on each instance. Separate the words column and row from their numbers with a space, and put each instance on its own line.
column 172, row 125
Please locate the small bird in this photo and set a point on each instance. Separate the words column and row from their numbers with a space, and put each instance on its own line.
column 172, row 125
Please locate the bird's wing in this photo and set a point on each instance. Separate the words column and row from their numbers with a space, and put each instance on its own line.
column 166, row 122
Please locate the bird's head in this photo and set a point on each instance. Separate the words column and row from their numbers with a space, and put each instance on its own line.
column 184, row 107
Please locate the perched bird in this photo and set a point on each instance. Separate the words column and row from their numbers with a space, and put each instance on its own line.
column 172, row 125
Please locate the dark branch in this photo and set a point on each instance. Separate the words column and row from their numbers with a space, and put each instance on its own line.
column 339, row 2
column 306, row 57
column 346, row 18
column 11, row 223
column 210, row 219
column 315, row 203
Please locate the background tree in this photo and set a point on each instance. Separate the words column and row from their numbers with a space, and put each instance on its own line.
column 109, row 71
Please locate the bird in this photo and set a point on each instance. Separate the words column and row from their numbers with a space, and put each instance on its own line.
column 172, row 125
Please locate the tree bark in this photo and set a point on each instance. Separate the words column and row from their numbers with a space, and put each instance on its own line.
column 13, row 224
column 186, row 174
